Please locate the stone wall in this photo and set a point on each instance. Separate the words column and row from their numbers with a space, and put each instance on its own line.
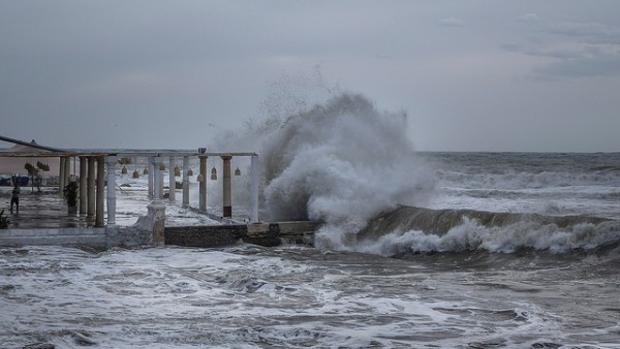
column 264, row 234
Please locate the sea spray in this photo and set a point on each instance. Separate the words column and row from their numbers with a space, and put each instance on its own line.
column 340, row 162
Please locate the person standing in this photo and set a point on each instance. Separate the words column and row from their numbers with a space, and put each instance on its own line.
column 15, row 197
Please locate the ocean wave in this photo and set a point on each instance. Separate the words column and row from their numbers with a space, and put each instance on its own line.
column 471, row 235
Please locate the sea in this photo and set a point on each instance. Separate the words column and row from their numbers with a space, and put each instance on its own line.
column 447, row 295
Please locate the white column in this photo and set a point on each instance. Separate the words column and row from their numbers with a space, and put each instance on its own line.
column 202, row 186
column 111, row 194
column 171, row 181
column 149, row 166
column 67, row 171
column 90, row 189
column 254, row 175
column 161, row 179
column 61, row 178
column 226, row 186
column 83, row 184
column 100, row 192
column 185, row 181
column 156, row 178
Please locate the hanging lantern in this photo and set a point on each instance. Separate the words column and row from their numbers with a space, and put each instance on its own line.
column 237, row 172
column 124, row 170
column 177, row 171
column 162, row 167
column 136, row 174
column 146, row 171
column 200, row 178
column 190, row 172
column 213, row 174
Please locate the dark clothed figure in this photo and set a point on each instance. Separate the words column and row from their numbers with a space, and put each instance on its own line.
column 15, row 198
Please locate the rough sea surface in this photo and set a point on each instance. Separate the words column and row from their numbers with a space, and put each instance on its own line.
column 295, row 297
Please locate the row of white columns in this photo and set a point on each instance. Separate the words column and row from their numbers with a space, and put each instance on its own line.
column 91, row 187
column 155, row 183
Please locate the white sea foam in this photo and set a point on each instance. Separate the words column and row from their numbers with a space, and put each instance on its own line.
column 340, row 162
column 471, row 235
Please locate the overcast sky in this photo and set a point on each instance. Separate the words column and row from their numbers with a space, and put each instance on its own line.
column 472, row 75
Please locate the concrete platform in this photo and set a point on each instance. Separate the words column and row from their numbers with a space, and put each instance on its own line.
column 41, row 210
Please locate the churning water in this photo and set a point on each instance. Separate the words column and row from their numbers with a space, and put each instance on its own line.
column 246, row 297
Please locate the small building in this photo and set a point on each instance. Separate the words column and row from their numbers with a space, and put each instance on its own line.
column 11, row 166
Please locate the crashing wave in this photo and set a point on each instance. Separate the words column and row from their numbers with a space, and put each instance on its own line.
column 412, row 229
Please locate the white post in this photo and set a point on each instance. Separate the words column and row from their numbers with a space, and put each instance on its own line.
column 111, row 197
column 151, row 174
column 171, row 181
column 100, row 192
column 90, row 189
column 156, row 179
column 202, row 186
column 254, row 175
column 161, row 179
column 185, row 181
column 61, row 178
column 226, row 186
column 83, row 184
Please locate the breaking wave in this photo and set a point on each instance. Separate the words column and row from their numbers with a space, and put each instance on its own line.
column 340, row 162
column 414, row 230
column 471, row 235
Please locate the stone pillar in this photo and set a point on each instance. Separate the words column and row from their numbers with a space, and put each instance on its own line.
column 149, row 165
column 254, row 177
column 161, row 179
column 157, row 220
column 171, row 181
column 67, row 171
column 61, row 178
column 226, row 180
column 156, row 179
column 90, row 189
column 83, row 185
column 202, row 200
column 100, row 192
column 185, row 181
column 111, row 194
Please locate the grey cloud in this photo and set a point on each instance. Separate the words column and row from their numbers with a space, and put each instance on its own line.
column 584, row 29
column 451, row 22
column 167, row 72
column 574, row 49
column 603, row 65
column 528, row 17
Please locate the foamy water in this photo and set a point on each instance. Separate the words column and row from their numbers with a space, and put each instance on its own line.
column 292, row 297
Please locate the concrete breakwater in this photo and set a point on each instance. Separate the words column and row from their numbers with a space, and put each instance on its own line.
column 265, row 234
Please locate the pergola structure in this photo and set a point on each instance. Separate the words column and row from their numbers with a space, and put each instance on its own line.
column 92, row 177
